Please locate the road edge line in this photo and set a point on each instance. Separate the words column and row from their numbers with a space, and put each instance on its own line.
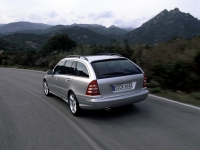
column 173, row 101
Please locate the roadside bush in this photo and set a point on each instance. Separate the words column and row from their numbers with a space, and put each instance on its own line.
column 197, row 62
column 172, row 75
column 196, row 95
column 4, row 62
column 153, row 84
column 155, row 90
column 42, row 63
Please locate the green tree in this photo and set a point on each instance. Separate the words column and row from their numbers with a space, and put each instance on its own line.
column 128, row 51
column 197, row 61
column 58, row 43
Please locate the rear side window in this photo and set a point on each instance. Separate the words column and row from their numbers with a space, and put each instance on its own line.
column 82, row 70
column 114, row 68
column 69, row 67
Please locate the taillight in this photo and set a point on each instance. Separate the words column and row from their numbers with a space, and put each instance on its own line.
column 93, row 88
column 145, row 81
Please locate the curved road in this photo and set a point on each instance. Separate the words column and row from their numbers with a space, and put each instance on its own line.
column 29, row 120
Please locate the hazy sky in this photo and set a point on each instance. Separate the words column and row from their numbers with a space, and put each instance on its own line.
column 122, row 13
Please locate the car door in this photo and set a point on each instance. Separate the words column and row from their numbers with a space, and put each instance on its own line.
column 53, row 80
column 66, row 78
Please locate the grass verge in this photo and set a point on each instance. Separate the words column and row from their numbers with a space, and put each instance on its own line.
column 188, row 98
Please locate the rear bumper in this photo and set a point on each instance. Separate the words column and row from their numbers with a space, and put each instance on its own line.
column 101, row 103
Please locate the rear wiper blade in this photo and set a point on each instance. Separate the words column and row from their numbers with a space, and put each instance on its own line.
column 113, row 73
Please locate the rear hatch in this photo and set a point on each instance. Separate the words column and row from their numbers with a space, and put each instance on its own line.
column 117, row 77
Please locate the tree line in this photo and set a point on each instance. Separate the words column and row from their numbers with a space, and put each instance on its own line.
column 172, row 65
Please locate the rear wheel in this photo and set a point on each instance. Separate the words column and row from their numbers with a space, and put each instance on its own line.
column 46, row 88
column 74, row 105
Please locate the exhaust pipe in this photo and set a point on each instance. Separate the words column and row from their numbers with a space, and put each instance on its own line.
column 108, row 109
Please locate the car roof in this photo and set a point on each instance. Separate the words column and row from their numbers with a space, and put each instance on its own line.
column 92, row 58
column 101, row 57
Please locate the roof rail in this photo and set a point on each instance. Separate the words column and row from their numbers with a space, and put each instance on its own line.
column 110, row 54
column 78, row 56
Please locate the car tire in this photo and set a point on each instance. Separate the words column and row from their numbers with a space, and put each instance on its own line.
column 74, row 105
column 46, row 88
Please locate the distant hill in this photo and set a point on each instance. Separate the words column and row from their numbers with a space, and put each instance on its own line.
column 102, row 29
column 54, row 28
column 36, row 31
column 79, row 34
column 28, row 41
column 93, row 27
column 128, row 29
column 19, row 26
column 165, row 26
column 85, row 25
column 39, row 31
column 116, row 30
column 82, row 35
column 110, row 30
column 2, row 25
column 6, row 46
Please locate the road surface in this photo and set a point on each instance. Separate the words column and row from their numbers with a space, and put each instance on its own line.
column 29, row 120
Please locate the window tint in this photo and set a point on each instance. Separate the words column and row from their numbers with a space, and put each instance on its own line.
column 59, row 68
column 67, row 67
column 82, row 70
column 115, row 67
column 73, row 68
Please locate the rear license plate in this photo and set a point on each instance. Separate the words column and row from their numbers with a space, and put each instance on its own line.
column 124, row 86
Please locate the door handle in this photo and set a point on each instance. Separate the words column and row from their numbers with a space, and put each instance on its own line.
column 68, row 79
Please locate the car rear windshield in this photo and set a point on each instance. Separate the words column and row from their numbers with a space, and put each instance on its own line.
column 114, row 68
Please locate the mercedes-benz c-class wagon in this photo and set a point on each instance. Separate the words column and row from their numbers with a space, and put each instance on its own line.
column 102, row 81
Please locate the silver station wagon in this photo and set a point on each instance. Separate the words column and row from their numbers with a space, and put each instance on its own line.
column 100, row 81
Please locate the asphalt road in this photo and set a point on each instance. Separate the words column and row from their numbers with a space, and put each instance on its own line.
column 31, row 121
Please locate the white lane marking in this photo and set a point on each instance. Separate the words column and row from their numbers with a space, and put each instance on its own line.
column 84, row 135
column 23, row 69
column 169, row 100
column 162, row 98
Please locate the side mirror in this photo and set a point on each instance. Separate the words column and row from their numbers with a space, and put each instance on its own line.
column 49, row 72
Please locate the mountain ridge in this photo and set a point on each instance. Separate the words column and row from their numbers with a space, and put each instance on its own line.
column 165, row 26
column 22, row 25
